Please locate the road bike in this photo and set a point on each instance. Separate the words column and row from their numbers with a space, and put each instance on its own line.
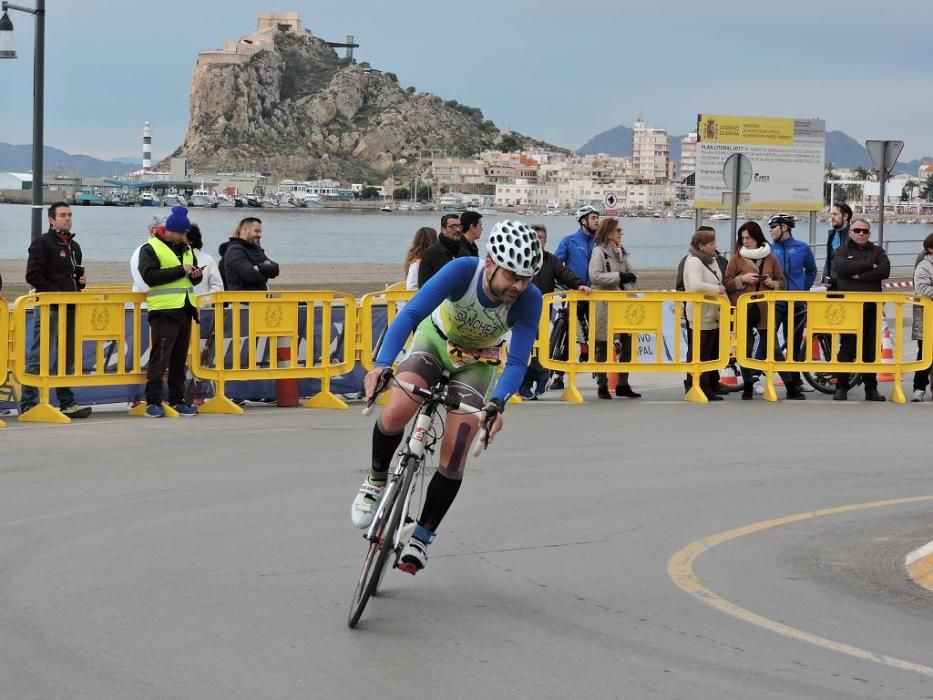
column 395, row 515
column 558, row 340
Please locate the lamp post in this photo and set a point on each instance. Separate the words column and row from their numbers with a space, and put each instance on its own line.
column 38, row 113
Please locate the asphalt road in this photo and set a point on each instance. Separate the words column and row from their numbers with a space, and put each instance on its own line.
column 214, row 557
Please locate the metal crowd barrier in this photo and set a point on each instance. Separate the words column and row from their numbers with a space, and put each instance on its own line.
column 275, row 331
column 5, row 341
column 80, row 318
column 657, row 315
column 832, row 315
column 392, row 299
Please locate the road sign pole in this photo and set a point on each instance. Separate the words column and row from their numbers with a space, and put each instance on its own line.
column 884, row 176
column 736, row 187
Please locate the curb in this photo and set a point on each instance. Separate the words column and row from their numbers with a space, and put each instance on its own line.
column 919, row 564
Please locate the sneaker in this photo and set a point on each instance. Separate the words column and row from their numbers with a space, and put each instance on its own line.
column 414, row 556
column 76, row 411
column 363, row 509
column 918, row 396
column 526, row 393
column 26, row 407
column 154, row 410
column 185, row 410
column 558, row 383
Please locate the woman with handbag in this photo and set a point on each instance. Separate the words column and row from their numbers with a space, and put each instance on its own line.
column 610, row 269
column 753, row 268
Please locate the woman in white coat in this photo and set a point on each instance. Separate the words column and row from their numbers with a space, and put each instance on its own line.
column 702, row 274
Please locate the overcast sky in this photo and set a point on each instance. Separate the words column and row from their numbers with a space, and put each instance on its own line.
column 556, row 70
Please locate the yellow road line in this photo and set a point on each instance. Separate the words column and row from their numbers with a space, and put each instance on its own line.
column 680, row 569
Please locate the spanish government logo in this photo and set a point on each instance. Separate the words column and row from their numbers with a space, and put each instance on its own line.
column 273, row 316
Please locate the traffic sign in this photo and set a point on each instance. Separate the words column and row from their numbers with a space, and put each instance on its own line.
column 884, row 154
column 610, row 200
column 744, row 165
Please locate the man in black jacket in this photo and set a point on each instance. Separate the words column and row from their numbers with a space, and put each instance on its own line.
column 860, row 266
column 471, row 229
column 446, row 249
column 552, row 273
column 54, row 265
column 840, row 216
column 246, row 266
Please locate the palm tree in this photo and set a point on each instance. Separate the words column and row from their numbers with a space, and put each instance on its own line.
column 862, row 174
column 926, row 192
column 907, row 192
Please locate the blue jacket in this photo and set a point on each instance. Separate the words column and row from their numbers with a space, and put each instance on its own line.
column 797, row 262
column 575, row 251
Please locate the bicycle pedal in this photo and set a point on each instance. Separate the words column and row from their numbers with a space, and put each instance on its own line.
column 408, row 568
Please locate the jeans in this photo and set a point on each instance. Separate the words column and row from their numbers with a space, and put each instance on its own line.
column 922, row 376
column 65, row 396
column 848, row 344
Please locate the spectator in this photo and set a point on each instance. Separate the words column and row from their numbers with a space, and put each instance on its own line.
column 168, row 266
column 861, row 266
column 246, row 266
column 471, row 225
column 424, row 238
column 211, row 281
column 702, row 274
column 839, row 218
column 799, row 268
column 609, row 269
column 923, row 285
column 54, row 265
column 552, row 273
column 446, row 249
column 138, row 284
column 752, row 268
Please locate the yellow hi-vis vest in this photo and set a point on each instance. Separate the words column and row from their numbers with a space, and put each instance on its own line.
column 172, row 295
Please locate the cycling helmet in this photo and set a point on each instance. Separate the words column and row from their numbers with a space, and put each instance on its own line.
column 779, row 219
column 514, row 246
column 585, row 210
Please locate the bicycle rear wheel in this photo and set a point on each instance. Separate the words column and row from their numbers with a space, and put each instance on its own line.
column 381, row 547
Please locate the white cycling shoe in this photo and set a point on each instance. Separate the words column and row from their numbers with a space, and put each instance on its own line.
column 414, row 556
column 364, row 505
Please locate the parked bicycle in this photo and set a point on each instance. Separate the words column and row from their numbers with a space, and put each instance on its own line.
column 394, row 519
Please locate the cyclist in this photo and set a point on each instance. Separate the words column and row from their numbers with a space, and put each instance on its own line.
column 461, row 318
column 575, row 251
column 799, row 269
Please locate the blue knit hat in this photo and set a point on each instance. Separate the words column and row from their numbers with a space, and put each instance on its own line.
column 178, row 220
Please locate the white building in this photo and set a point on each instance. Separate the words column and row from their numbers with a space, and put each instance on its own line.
column 688, row 155
column 651, row 152
column 15, row 181
column 458, row 171
column 646, row 196
column 522, row 193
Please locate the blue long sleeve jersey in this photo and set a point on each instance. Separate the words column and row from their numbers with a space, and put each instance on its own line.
column 451, row 282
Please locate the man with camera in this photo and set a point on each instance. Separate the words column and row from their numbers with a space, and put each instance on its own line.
column 169, row 268
column 54, row 265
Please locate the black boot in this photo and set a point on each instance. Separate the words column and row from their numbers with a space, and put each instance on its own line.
column 623, row 388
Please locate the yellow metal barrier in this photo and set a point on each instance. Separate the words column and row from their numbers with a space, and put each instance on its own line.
column 81, row 318
column 635, row 313
column 834, row 314
column 392, row 298
column 274, row 318
column 5, row 341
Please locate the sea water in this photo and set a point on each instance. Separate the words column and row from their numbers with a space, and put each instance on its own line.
column 321, row 235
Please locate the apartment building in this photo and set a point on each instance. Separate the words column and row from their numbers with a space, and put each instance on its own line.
column 651, row 152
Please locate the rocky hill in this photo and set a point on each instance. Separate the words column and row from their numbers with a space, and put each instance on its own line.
column 300, row 111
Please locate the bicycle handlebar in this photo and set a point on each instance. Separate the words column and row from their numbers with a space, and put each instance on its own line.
column 482, row 440
column 450, row 402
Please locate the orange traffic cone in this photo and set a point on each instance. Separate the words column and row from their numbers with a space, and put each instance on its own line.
column 887, row 353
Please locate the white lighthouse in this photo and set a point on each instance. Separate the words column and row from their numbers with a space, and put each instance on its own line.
column 147, row 146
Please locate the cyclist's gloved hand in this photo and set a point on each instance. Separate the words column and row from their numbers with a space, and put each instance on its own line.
column 627, row 278
column 375, row 381
column 491, row 418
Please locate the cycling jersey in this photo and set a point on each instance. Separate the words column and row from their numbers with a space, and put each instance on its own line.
column 453, row 305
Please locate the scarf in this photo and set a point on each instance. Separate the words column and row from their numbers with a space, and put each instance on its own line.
column 704, row 258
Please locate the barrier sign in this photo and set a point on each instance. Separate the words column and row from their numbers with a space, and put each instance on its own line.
column 786, row 155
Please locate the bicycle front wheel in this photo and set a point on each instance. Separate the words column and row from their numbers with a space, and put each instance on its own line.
column 382, row 546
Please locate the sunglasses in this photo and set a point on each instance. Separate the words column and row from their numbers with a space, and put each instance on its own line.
column 866, row 231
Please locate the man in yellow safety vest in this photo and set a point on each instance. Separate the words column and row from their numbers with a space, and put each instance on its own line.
column 167, row 264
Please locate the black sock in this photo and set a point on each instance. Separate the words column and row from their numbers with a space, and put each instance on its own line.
column 441, row 492
column 384, row 447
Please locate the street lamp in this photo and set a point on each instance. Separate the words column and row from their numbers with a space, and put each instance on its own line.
column 7, row 51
